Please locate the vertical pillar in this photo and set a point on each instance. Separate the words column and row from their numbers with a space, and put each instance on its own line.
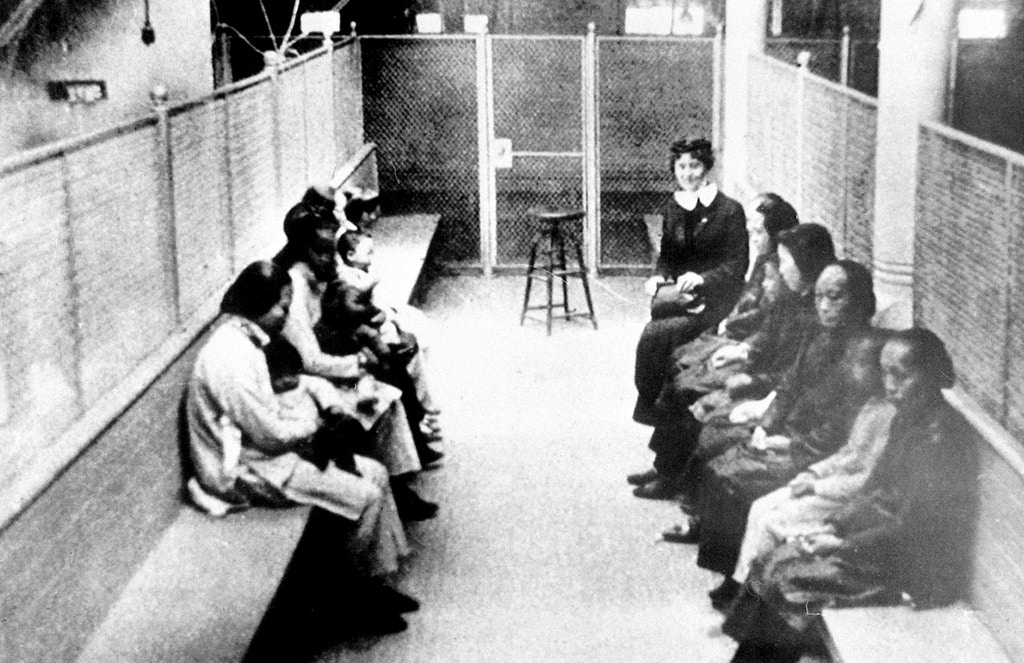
column 912, row 76
column 271, row 62
column 165, row 172
column 745, row 24
column 485, row 146
column 591, row 157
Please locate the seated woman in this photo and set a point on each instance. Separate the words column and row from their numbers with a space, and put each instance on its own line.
column 803, row 253
column 767, row 215
column 809, row 420
column 800, row 507
column 699, row 272
column 246, row 450
column 309, row 258
column 904, row 537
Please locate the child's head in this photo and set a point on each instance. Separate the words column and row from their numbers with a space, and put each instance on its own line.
column 362, row 208
column 284, row 364
column 356, row 249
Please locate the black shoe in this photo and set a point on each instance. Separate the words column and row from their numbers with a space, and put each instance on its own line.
column 412, row 507
column 640, row 478
column 395, row 601
column 724, row 595
column 428, row 456
column 382, row 624
column 688, row 532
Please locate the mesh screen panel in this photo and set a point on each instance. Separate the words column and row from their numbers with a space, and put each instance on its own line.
column 420, row 107
column 348, row 100
column 861, row 132
column 822, row 161
column 1015, row 337
column 253, row 177
column 773, row 163
column 538, row 105
column 318, row 102
column 825, row 54
column 961, row 259
column 835, row 171
column 535, row 181
column 202, row 224
column 38, row 396
column 293, row 134
column 651, row 92
column 124, row 299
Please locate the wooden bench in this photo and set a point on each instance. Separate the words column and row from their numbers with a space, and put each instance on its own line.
column 201, row 590
column 881, row 634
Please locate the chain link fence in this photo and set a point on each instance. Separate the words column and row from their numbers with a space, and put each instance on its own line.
column 968, row 248
column 118, row 245
column 813, row 142
column 651, row 92
column 420, row 108
column 538, row 106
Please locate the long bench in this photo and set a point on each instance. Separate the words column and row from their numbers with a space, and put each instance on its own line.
column 201, row 593
column 109, row 564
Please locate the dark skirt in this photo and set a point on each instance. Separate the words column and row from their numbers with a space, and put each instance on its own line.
column 658, row 341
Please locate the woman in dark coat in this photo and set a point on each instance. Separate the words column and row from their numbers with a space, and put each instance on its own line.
column 699, row 273
column 810, row 419
column 803, row 253
column 906, row 536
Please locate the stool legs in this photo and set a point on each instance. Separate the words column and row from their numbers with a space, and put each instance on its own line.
column 555, row 266
column 529, row 279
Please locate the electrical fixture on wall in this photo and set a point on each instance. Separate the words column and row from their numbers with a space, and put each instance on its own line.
column 148, row 33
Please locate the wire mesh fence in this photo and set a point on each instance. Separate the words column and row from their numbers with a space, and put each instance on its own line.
column 538, row 106
column 813, row 143
column 967, row 243
column 420, row 107
column 117, row 246
column 651, row 92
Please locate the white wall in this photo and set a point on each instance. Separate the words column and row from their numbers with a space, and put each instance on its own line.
column 105, row 44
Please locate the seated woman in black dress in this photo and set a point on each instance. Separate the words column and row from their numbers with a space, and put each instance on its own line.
column 906, row 535
column 699, row 273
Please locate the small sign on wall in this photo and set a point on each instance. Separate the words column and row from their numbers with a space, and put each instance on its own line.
column 77, row 92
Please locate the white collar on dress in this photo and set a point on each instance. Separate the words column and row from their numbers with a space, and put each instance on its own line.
column 688, row 199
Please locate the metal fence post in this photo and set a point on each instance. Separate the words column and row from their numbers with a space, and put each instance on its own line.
column 954, row 47
column 591, row 156
column 333, row 147
column 485, row 165
column 75, row 291
column 229, row 184
column 801, row 83
column 844, row 58
column 717, row 65
column 272, row 63
column 165, row 186
column 1011, row 279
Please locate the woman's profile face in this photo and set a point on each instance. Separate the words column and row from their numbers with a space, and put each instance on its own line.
column 788, row 270
column 273, row 320
column 832, row 297
column 903, row 381
column 689, row 172
column 756, row 234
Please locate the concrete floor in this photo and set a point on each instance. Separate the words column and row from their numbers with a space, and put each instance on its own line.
column 540, row 552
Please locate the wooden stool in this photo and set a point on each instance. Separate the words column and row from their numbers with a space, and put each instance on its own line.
column 551, row 243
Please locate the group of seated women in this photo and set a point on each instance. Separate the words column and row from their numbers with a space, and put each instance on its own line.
column 814, row 457
column 312, row 392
